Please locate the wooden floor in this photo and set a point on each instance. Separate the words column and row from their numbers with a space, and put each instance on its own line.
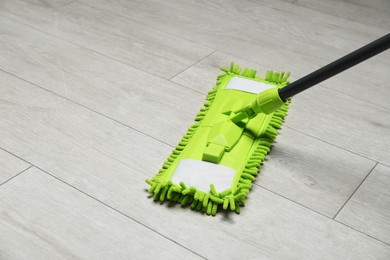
column 94, row 94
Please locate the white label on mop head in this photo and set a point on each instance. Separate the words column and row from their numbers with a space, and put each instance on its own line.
column 247, row 85
column 201, row 174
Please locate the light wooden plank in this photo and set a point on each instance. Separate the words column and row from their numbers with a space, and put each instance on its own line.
column 10, row 165
column 110, row 162
column 145, row 102
column 377, row 17
column 352, row 124
column 43, row 218
column 279, row 50
column 320, row 17
column 128, row 41
column 355, row 125
column 368, row 210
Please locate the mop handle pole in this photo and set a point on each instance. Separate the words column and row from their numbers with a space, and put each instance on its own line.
column 336, row 67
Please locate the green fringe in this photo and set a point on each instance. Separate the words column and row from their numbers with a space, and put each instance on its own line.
column 209, row 203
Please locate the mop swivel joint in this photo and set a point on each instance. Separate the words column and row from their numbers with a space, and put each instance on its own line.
column 265, row 102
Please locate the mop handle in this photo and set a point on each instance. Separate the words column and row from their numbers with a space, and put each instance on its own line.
column 335, row 67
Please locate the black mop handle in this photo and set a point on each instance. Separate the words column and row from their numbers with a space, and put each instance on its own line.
column 336, row 67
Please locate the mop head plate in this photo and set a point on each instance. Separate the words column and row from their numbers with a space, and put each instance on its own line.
column 216, row 161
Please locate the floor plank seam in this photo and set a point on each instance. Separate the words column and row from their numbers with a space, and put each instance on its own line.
column 85, row 107
column 95, row 52
column 367, row 101
column 266, row 68
column 20, row 158
column 384, row 164
column 149, row 26
column 173, row 146
column 357, row 230
column 66, row 138
column 106, row 205
column 13, row 177
column 154, row 138
column 245, row 23
column 296, row 4
column 297, row 203
column 117, row 211
column 335, row 145
column 165, row 31
column 208, row 55
column 336, row 15
column 169, row 79
column 330, row 218
column 353, row 193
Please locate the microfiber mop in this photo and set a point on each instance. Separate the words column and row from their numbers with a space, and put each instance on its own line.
column 216, row 161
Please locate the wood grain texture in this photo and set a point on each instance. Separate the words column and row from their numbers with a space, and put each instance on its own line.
column 201, row 77
column 383, row 5
column 43, row 218
column 112, row 98
column 10, row 165
column 368, row 14
column 147, row 103
column 368, row 209
column 328, row 18
column 352, row 124
column 338, row 34
column 279, row 49
column 344, row 121
column 115, row 124
column 233, row 26
column 50, row 124
column 110, row 162
column 125, row 40
column 313, row 173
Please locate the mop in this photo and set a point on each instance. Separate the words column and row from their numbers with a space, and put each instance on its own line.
column 215, row 163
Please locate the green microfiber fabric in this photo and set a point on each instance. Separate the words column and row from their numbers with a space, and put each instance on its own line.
column 245, row 153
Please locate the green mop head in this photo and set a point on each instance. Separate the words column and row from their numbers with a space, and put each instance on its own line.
column 215, row 163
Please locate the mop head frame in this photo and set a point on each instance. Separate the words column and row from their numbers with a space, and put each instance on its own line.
column 215, row 163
